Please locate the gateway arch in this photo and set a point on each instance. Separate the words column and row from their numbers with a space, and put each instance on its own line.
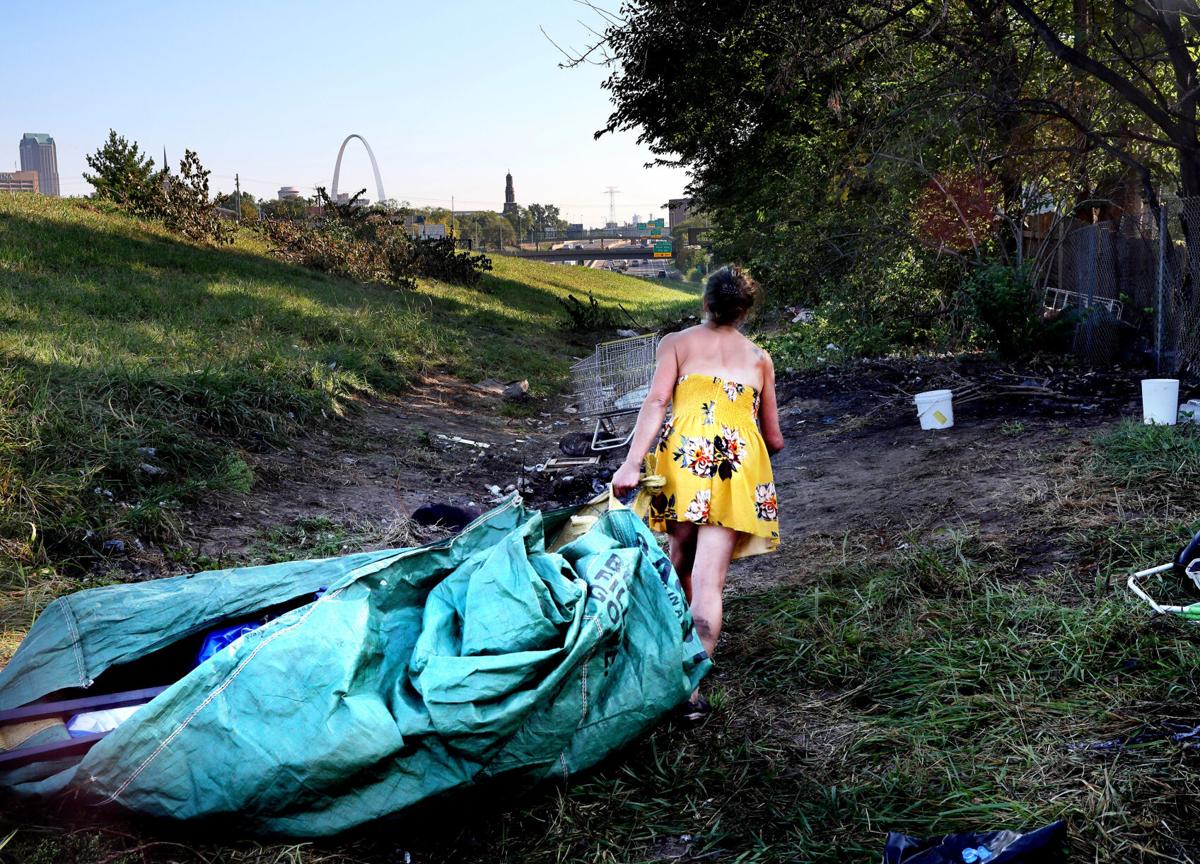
column 337, row 168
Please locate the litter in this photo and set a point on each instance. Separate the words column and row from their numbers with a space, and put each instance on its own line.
column 460, row 440
column 562, row 463
column 447, row 515
column 1043, row 846
column 1185, row 566
column 483, row 658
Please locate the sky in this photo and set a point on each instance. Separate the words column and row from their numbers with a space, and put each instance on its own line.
column 450, row 95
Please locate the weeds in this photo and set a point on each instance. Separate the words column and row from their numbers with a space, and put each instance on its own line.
column 1139, row 453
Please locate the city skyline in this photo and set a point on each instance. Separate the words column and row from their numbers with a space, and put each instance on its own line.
column 448, row 108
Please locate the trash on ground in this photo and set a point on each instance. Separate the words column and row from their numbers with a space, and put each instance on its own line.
column 1185, row 566
column 1160, row 401
column 562, row 463
column 458, row 439
column 1043, row 846
column 419, row 672
column 447, row 515
column 517, row 391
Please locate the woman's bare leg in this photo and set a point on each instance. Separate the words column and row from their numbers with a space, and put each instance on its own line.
column 683, row 552
column 714, row 549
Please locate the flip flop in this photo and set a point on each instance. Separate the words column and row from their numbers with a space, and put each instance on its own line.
column 694, row 711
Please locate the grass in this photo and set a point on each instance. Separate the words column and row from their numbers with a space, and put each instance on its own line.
column 136, row 369
column 944, row 686
column 1138, row 453
column 935, row 689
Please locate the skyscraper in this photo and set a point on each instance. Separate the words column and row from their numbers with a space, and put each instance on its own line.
column 38, row 154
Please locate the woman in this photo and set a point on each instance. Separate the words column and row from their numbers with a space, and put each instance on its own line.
column 711, row 408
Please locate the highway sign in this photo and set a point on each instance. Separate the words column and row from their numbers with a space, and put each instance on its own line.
column 662, row 249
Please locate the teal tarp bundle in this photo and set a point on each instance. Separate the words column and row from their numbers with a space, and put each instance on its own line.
column 417, row 672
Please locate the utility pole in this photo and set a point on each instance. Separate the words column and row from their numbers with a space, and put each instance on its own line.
column 237, row 185
column 612, row 204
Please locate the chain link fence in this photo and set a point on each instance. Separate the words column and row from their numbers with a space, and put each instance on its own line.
column 1131, row 283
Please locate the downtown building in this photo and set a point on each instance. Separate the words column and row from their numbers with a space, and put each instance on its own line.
column 38, row 154
column 19, row 181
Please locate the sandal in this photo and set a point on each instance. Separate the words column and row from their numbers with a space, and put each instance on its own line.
column 693, row 711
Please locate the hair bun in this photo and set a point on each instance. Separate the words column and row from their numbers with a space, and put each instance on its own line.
column 729, row 294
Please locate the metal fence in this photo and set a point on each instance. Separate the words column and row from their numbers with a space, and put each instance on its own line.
column 1136, row 280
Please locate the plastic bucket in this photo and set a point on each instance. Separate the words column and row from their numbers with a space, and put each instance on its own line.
column 1160, row 401
column 935, row 409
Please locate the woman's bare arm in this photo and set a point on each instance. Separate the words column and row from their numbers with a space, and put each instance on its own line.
column 651, row 415
column 768, row 409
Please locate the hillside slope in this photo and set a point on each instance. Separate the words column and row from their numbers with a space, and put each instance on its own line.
column 134, row 367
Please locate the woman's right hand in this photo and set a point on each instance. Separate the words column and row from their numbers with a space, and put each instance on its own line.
column 627, row 477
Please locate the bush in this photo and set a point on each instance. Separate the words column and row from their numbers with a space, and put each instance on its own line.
column 589, row 317
column 125, row 175
column 1002, row 301
column 371, row 246
column 184, row 206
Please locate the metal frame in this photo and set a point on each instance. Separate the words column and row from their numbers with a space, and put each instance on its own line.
column 1191, row 611
column 611, row 384
column 1060, row 298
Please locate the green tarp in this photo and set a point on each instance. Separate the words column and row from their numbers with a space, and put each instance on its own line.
column 416, row 672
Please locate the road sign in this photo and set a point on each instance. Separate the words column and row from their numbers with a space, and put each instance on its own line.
column 641, row 226
column 662, row 249
column 655, row 231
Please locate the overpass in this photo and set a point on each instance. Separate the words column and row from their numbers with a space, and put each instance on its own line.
column 591, row 254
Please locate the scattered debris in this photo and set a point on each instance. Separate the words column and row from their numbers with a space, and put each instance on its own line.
column 152, row 470
column 1009, row 847
column 517, row 391
column 446, row 515
column 457, row 439
column 562, row 463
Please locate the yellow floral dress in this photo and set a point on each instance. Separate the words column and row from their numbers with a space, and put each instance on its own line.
column 716, row 464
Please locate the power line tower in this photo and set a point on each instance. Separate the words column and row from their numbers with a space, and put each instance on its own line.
column 612, row 205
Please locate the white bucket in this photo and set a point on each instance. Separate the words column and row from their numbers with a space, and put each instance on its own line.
column 935, row 409
column 1160, row 401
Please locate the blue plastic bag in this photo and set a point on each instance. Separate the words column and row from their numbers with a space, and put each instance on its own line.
column 1043, row 846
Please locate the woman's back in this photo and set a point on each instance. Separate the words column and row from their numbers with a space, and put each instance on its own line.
column 719, row 352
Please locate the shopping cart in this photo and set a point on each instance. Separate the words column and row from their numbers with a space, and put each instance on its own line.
column 610, row 386
column 1186, row 565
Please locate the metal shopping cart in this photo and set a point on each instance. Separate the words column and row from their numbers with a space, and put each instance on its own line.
column 1186, row 565
column 610, row 386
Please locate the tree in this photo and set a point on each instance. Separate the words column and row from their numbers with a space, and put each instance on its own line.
column 286, row 208
column 546, row 217
column 123, row 173
column 184, row 204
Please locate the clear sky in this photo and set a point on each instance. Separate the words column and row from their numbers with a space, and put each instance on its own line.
column 450, row 94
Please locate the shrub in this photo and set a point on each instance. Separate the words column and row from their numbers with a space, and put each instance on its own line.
column 371, row 246
column 590, row 316
column 1001, row 299
column 184, row 205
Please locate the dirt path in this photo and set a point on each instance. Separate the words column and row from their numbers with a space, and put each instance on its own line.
column 857, row 474
column 448, row 442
